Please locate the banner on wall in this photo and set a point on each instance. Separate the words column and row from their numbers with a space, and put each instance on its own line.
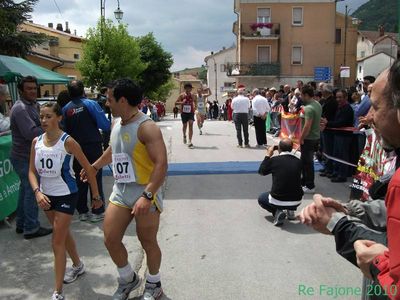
column 9, row 180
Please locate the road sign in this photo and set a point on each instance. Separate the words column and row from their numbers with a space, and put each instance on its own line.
column 322, row 73
column 344, row 72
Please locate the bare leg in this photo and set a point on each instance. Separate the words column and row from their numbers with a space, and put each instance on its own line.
column 116, row 221
column 146, row 229
column 61, row 222
column 71, row 249
column 184, row 128
column 190, row 130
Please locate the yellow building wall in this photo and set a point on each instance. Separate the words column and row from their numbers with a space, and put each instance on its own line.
column 351, row 51
column 68, row 46
column 317, row 41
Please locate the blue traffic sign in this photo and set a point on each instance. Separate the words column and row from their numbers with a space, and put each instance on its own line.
column 322, row 73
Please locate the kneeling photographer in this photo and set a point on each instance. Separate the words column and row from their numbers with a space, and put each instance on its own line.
column 286, row 192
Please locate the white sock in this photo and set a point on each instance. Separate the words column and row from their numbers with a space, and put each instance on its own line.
column 153, row 278
column 126, row 273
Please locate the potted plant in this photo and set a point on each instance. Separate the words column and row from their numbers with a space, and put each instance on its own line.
column 263, row 28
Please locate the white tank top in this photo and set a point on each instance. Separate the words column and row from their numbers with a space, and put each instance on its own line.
column 54, row 167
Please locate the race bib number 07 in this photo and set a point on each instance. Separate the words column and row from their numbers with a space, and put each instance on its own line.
column 122, row 168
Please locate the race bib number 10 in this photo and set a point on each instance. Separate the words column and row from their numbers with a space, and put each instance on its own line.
column 122, row 168
column 48, row 164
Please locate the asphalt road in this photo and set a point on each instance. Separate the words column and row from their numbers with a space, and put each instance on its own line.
column 216, row 242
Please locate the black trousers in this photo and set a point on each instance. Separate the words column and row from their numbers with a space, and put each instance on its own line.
column 263, row 201
column 92, row 153
column 242, row 121
column 307, row 159
column 259, row 125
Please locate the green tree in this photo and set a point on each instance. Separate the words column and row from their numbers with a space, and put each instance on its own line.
column 12, row 41
column 110, row 53
column 155, row 78
column 203, row 74
column 376, row 12
column 163, row 92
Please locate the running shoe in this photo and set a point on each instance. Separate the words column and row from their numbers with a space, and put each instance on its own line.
column 94, row 218
column 72, row 273
column 57, row 296
column 184, row 139
column 84, row 217
column 152, row 291
column 201, row 132
column 124, row 289
column 247, row 146
column 239, row 146
column 280, row 216
column 191, row 146
column 290, row 215
column 306, row 190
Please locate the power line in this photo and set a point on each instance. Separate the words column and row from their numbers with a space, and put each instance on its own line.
column 55, row 2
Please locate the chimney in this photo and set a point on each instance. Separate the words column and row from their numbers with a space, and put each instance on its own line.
column 223, row 48
column 59, row 27
column 74, row 31
column 381, row 30
column 50, row 25
column 66, row 28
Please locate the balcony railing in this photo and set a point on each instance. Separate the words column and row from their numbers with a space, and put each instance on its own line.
column 254, row 69
column 251, row 30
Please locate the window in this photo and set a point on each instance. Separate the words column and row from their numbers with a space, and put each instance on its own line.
column 228, row 84
column 297, row 16
column 264, row 54
column 76, row 56
column 362, row 53
column 263, row 15
column 359, row 69
column 362, row 39
column 338, row 36
column 223, row 68
column 297, row 55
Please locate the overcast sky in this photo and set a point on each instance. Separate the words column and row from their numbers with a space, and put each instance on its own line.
column 189, row 29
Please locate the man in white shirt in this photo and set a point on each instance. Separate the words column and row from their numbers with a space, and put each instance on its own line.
column 240, row 106
column 4, row 121
column 260, row 109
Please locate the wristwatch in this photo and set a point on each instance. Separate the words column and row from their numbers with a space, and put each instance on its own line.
column 98, row 198
column 148, row 195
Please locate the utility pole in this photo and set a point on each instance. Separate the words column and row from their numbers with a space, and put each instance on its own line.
column 345, row 45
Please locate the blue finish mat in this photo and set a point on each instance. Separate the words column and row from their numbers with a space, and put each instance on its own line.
column 212, row 168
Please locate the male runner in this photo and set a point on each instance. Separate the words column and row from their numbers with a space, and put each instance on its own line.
column 202, row 95
column 139, row 158
column 188, row 102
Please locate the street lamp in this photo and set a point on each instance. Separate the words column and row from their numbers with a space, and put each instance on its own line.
column 118, row 13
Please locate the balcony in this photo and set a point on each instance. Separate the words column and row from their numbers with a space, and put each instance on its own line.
column 251, row 31
column 254, row 69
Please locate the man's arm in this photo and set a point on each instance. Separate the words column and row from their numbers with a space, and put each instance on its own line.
column 150, row 135
column 104, row 159
column 98, row 114
column 26, row 125
column 179, row 100
column 266, row 165
column 306, row 130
